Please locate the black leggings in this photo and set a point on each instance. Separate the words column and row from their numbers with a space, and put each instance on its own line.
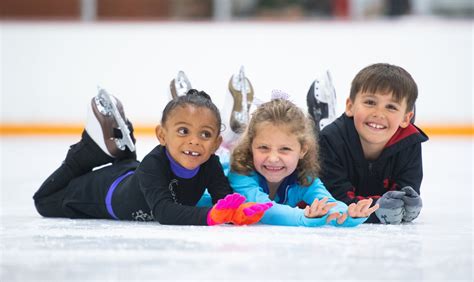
column 84, row 196
column 74, row 183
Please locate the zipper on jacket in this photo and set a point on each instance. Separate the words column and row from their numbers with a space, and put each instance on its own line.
column 370, row 168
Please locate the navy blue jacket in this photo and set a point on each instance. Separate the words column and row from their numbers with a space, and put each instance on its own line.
column 349, row 177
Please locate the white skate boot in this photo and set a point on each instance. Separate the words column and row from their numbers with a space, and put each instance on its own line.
column 321, row 101
column 179, row 85
column 107, row 125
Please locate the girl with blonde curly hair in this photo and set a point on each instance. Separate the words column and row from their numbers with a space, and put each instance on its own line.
column 276, row 160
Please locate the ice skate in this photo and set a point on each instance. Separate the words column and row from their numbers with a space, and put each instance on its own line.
column 321, row 101
column 108, row 126
column 179, row 85
column 242, row 93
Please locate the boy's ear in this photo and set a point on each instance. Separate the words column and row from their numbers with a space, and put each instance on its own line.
column 406, row 119
column 160, row 134
column 349, row 105
column 218, row 144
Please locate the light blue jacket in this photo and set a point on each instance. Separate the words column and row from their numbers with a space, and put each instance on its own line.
column 286, row 212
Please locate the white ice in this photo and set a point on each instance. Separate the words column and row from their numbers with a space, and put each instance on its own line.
column 437, row 246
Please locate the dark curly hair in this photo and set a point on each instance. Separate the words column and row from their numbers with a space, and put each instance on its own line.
column 195, row 98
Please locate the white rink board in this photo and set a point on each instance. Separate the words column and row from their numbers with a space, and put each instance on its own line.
column 50, row 70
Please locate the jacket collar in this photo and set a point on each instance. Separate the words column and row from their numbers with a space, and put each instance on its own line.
column 282, row 192
column 402, row 138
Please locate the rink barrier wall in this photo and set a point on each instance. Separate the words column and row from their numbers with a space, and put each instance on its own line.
column 44, row 129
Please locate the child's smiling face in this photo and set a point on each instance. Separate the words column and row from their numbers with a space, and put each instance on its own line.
column 276, row 152
column 190, row 135
column 377, row 116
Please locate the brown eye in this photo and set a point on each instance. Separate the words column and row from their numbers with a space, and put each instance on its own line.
column 369, row 102
column 262, row 148
column 183, row 131
column 392, row 107
column 206, row 134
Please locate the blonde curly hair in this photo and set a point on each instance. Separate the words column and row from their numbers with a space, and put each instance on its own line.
column 280, row 112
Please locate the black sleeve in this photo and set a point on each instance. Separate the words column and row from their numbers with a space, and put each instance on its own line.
column 218, row 185
column 154, row 179
column 409, row 169
column 334, row 173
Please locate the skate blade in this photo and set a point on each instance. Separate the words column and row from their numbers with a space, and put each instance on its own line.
column 242, row 91
column 180, row 85
column 107, row 106
column 325, row 93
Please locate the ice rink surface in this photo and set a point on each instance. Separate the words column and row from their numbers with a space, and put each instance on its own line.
column 437, row 246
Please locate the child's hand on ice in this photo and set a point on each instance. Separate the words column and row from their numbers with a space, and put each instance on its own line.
column 319, row 209
column 233, row 209
column 250, row 213
column 362, row 208
column 224, row 209
column 391, row 207
column 413, row 204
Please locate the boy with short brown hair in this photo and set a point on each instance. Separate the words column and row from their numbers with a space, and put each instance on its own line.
column 373, row 150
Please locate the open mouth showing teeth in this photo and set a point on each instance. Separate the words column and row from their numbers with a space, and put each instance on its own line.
column 191, row 153
column 273, row 168
column 376, row 126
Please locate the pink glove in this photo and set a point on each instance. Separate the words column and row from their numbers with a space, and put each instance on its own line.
column 233, row 209
column 250, row 213
column 224, row 209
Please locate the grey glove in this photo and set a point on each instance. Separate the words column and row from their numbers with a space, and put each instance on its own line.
column 391, row 208
column 413, row 204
